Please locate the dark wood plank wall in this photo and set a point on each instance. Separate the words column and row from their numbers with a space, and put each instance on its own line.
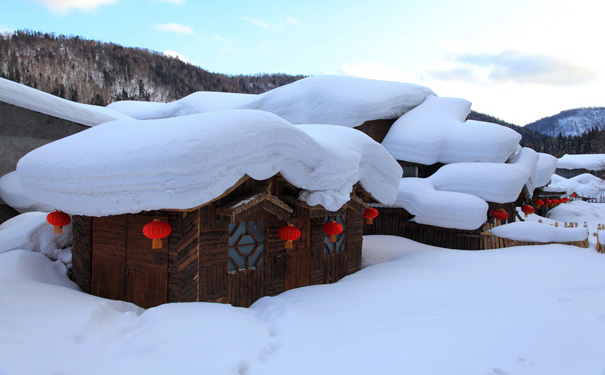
column 82, row 251
column 183, row 250
column 376, row 129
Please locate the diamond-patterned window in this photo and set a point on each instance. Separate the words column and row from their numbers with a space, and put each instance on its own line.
column 247, row 240
column 339, row 245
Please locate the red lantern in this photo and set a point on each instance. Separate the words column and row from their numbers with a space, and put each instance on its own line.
column 369, row 214
column 156, row 230
column 556, row 202
column 573, row 195
column 547, row 202
column 58, row 219
column 539, row 203
column 332, row 229
column 500, row 214
column 564, row 199
column 527, row 210
column 288, row 233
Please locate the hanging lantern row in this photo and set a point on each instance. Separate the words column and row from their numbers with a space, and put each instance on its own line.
column 539, row 203
column 369, row 214
column 289, row 233
column 500, row 214
column 332, row 229
column 565, row 200
column 527, row 210
column 58, row 220
column 156, row 230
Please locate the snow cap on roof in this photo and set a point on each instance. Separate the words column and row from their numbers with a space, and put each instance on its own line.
column 36, row 100
column 333, row 100
column 547, row 164
column 592, row 162
column 128, row 166
column 492, row 182
column 436, row 132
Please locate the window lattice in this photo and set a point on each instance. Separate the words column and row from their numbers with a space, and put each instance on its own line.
column 340, row 244
column 247, row 241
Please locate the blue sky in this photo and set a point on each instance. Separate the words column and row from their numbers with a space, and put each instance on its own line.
column 519, row 60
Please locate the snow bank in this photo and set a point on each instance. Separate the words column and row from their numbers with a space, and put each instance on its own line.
column 36, row 100
column 440, row 208
column 435, row 132
column 492, row 182
column 593, row 162
column 333, row 100
column 578, row 211
column 129, row 166
column 539, row 232
column 30, row 231
column 547, row 164
column 11, row 192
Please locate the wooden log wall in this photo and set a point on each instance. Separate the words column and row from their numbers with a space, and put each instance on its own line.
column 82, row 252
column 183, row 248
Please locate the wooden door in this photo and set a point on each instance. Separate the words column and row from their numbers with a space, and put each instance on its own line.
column 299, row 257
column 124, row 266
column 146, row 268
column 109, row 257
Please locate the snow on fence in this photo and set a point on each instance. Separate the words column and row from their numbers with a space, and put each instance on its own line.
column 492, row 241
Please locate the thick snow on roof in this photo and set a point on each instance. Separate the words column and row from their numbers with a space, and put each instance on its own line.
column 11, row 192
column 128, row 166
column 435, row 131
column 592, row 162
column 547, row 164
column 333, row 100
column 440, row 208
column 36, row 100
column 586, row 185
column 539, row 232
column 492, row 182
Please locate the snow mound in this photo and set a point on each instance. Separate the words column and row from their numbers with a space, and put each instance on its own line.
column 11, row 192
column 36, row 100
column 547, row 164
column 332, row 100
column 30, row 231
column 440, row 208
column 492, row 182
column 129, row 166
column 592, row 162
column 435, row 132
column 538, row 232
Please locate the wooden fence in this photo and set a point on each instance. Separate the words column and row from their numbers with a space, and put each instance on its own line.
column 492, row 241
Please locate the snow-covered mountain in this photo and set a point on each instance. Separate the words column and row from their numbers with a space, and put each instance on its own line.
column 572, row 122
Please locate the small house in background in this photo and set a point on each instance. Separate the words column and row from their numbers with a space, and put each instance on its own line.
column 570, row 166
column 225, row 182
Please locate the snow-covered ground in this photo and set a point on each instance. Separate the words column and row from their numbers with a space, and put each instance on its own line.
column 413, row 309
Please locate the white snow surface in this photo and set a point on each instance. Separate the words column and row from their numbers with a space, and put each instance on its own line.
column 11, row 192
column 492, row 182
column 592, row 162
column 585, row 185
column 440, row 208
column 436, row 132
column 539, row 232
column 30, row 231
column 36, row 100
column 547, row 164
column 414, row 309
column 335, row 100
column 131, row 165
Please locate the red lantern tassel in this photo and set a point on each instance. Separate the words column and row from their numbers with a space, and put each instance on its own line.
column 57, row 230
column 332, row 238
column 288, row 245
column 156, row 243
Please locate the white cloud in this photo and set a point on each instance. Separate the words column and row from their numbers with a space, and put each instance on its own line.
column 257, row 22
column 373, row 70
column 292, row 21
column 174, row 28
column 6, row 30
column 62, row 6
column 177, row 55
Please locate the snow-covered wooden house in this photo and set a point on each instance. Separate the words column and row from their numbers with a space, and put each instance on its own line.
column 226, row 182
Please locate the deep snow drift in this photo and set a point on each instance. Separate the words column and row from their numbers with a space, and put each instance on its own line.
column 133, row 165
column 593, row 162
column 414, row 309
column 324, row 99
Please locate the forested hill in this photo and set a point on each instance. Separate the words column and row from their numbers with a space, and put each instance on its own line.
column 94, row 72
column 573, row 122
